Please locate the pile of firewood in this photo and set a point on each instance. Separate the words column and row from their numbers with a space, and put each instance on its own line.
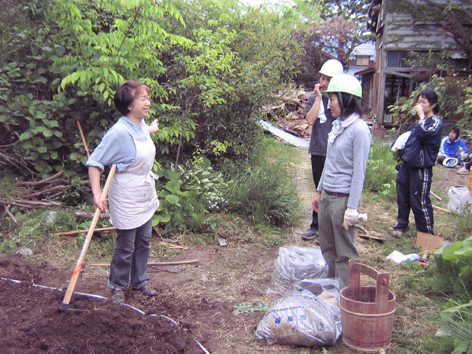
column 288, row 115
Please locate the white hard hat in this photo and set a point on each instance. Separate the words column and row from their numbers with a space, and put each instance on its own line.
column 450, row 162
column 332, row 68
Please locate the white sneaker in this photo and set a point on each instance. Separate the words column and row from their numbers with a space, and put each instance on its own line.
column 462, row 171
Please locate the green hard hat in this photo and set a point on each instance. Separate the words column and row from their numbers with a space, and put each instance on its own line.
column 344, row 83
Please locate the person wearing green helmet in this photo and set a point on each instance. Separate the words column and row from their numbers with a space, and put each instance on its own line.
column 339, row 191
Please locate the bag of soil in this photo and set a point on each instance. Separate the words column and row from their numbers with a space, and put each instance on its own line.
column 460, row 200
column 295, row 264
column 299, row 318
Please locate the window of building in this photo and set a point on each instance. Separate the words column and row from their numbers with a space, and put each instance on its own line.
column 362, row 60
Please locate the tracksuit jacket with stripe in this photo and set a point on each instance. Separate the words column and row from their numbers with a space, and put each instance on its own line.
column 415, row 174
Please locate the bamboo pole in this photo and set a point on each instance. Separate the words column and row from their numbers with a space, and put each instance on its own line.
column 80, row 260
column 149, row 263
column 66, row 233
column 83, row 138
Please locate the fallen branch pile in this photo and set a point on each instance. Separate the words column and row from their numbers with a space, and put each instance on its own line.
column 289, row 113
column 35, row 195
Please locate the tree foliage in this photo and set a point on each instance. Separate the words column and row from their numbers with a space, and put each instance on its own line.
column 210, row 67
column 336, row 29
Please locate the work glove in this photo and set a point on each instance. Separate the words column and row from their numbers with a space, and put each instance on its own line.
column 350, row 218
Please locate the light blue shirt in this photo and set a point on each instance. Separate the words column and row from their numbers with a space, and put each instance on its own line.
column 117, row 145
column 346, row 163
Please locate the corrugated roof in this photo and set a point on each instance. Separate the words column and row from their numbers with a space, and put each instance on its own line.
column 365, row 49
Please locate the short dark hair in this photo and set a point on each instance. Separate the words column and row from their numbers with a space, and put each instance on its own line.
column 456, row 131
column 349, row 103
column 432, row 98
column 126, row 94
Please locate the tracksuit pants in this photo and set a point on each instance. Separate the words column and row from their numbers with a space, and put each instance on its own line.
column 413, row 187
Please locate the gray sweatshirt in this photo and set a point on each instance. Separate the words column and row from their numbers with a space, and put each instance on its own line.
column 346, row 163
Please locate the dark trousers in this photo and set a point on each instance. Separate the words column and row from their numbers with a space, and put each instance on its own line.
column 130, row 258
column 317, row 165
column 413, row 186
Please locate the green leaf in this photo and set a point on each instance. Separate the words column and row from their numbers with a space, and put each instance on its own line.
column 165, row 217
column 26, row 135
column 173, row 186
column 42, row 149
column 48, row 133
column 173, row 199
column 41, row 80
column 449, row 250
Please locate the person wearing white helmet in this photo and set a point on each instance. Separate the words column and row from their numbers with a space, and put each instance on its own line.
column 339, row 190
column 318, row 116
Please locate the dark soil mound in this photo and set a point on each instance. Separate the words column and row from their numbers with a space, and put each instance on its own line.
column 30, row 321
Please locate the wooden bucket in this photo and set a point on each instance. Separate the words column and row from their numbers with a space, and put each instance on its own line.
column 367, row 311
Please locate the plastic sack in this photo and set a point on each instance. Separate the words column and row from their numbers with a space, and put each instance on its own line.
column 399, row 257
column 295, row 264
column 326, row 289
column 299, row 318
column 459, row 200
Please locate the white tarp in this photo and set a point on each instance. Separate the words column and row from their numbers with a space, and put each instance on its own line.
column 292, row 139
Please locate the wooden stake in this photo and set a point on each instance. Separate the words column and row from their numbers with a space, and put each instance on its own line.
column 65, row 233
column 149, row 264
column 442, row 209
column 437, row 196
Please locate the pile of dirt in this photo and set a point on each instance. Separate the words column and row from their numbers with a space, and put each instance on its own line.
column 30, row 320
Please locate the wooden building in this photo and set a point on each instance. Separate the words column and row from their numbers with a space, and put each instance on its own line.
column 397, row 35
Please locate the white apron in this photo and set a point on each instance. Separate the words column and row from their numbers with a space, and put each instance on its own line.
column 132, row 194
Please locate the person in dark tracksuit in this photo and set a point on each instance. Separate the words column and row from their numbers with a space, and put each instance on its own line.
column 415, row 173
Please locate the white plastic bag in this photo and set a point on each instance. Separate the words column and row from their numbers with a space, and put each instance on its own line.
column 295, row 264
column 299, row 318
column 459, row 200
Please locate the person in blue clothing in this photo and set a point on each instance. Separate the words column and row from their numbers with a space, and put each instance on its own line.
column 450, row 147
column 132, row 194
column 416, row 169
column 339, row 191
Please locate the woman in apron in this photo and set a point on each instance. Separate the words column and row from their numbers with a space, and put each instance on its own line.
column 132, row 194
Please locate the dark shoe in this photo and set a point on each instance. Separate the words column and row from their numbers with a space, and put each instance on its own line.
column 118, row 296
column 148, row 290
column 310, row 234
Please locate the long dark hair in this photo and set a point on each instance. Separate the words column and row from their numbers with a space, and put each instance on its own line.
column 349, row 104
column 432, row 98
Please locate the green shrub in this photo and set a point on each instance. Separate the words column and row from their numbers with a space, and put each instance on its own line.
column 264, row 194
column 381, row 172
column 186, row 195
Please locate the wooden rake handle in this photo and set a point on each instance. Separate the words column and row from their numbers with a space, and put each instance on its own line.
column 80, row 260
